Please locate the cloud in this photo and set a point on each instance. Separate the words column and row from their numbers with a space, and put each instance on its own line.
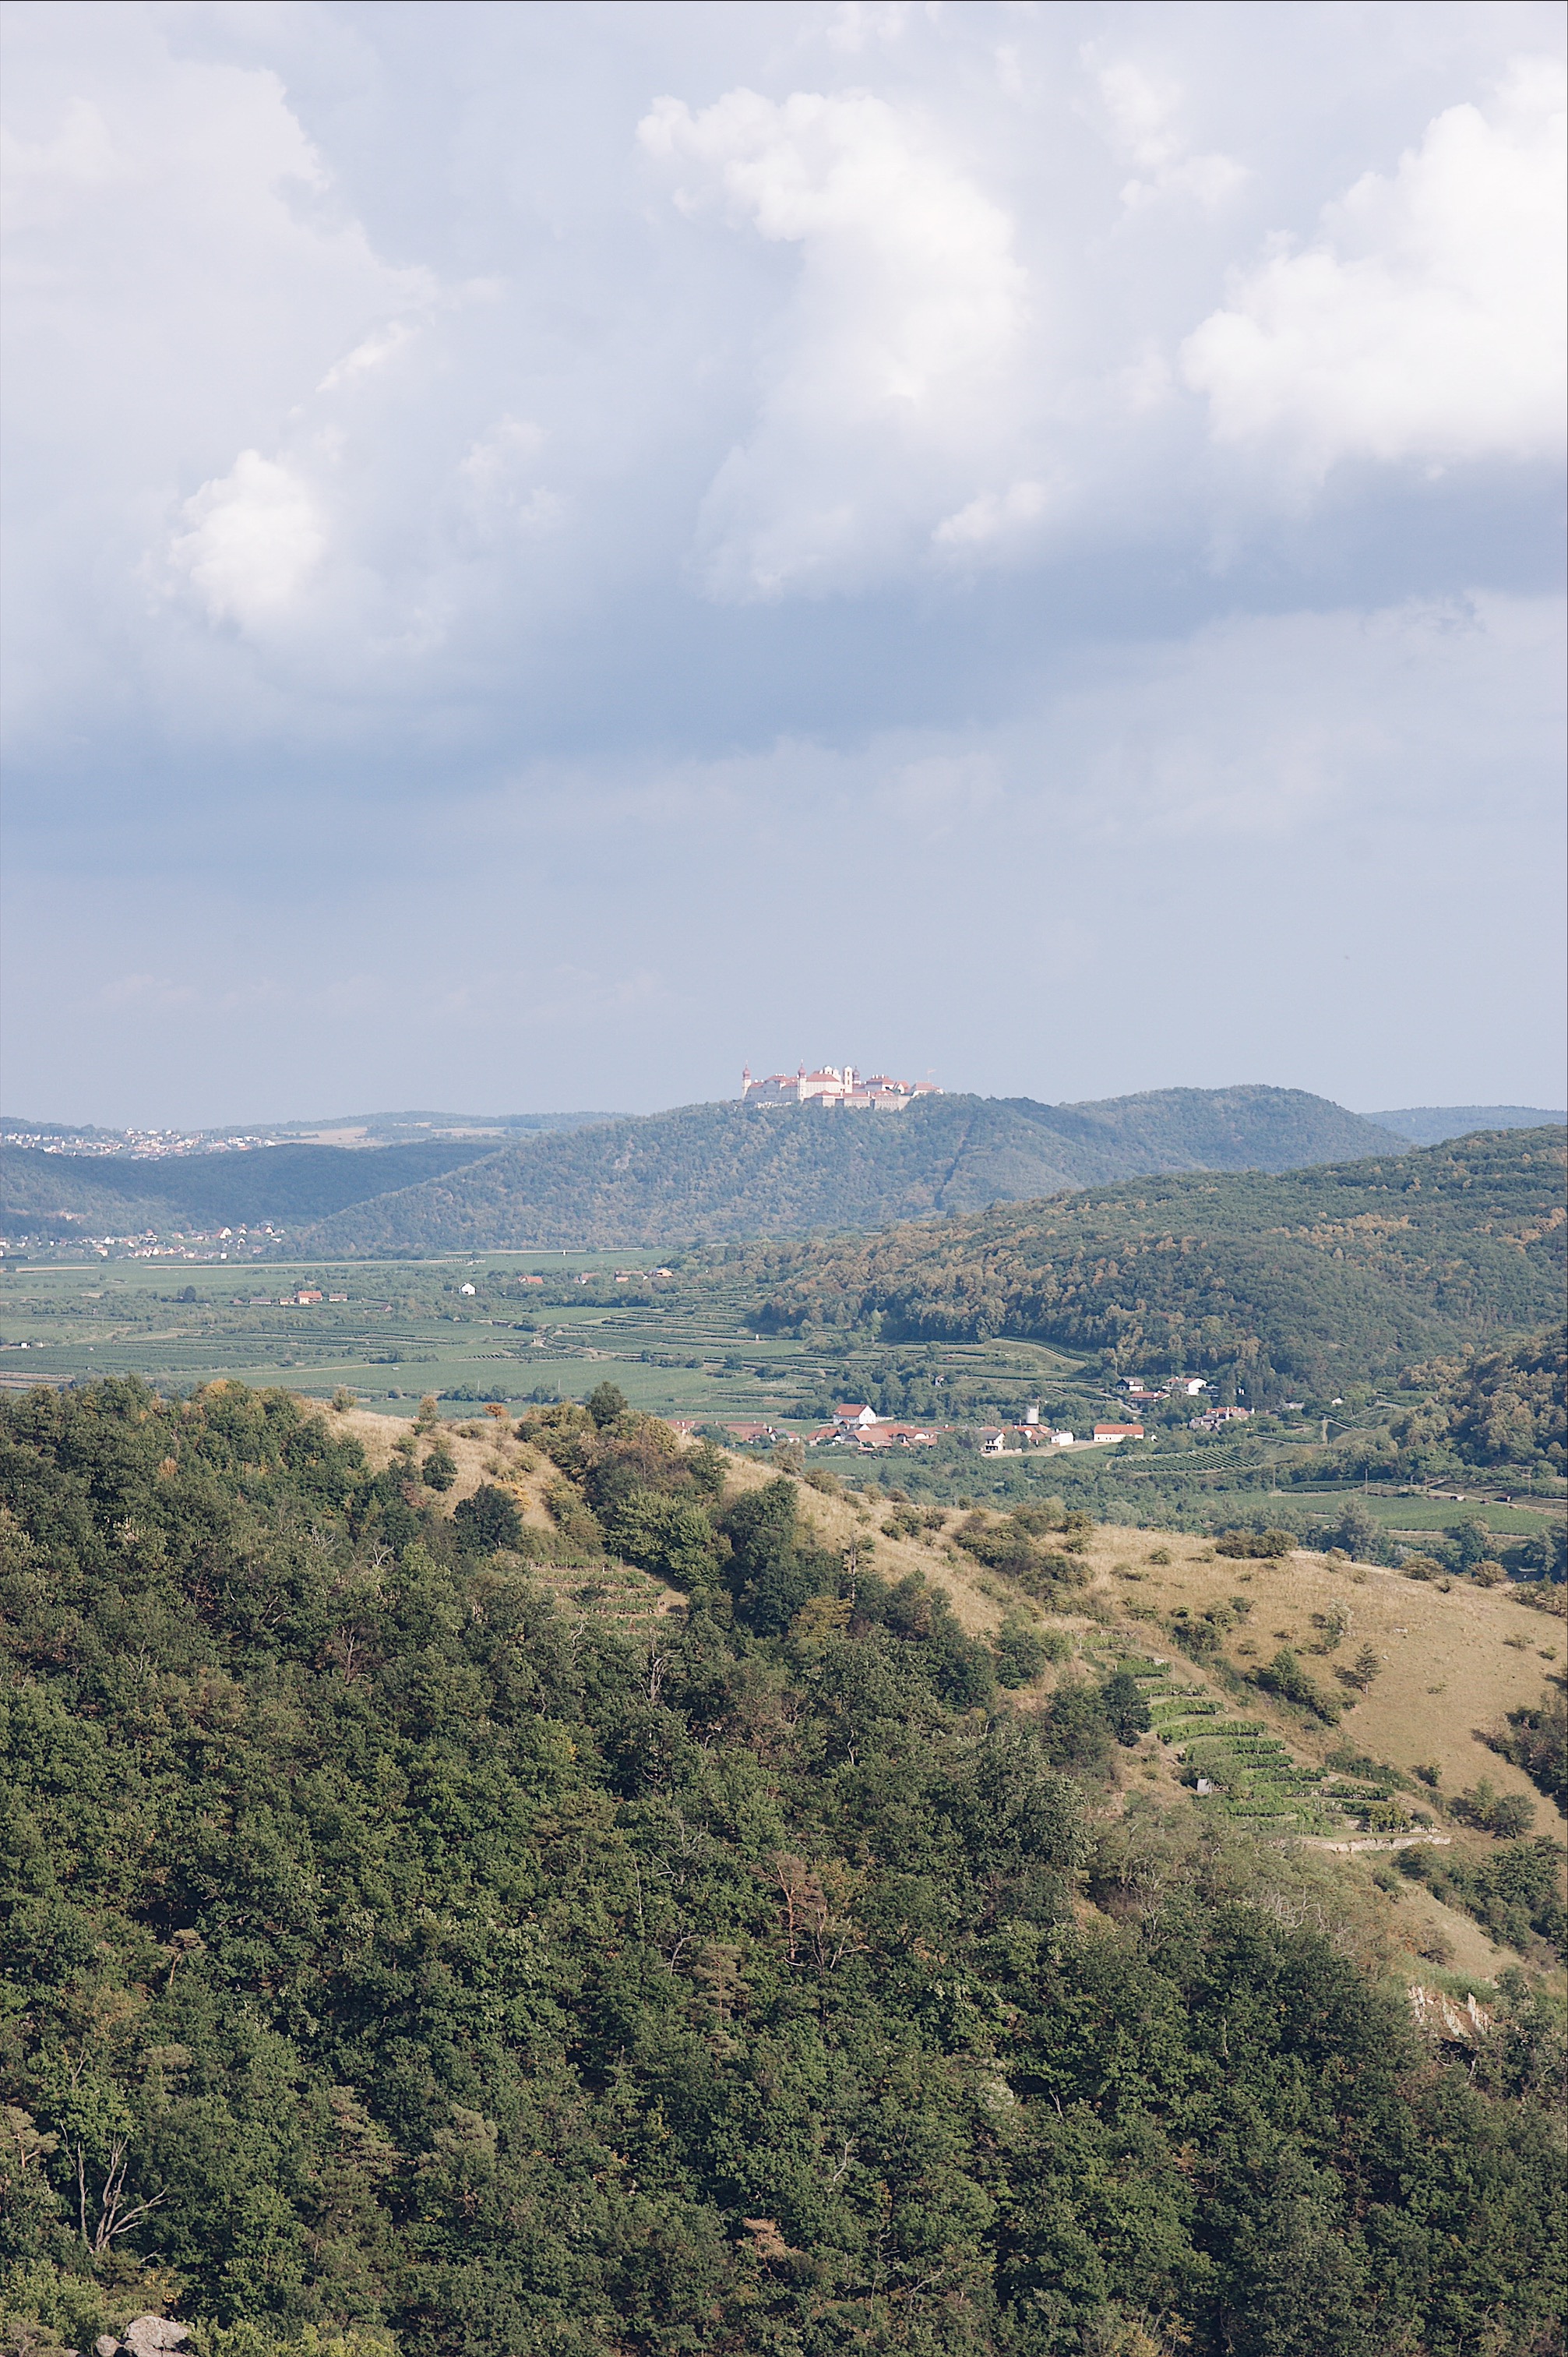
column 992, row 516
column 888, row 383
column 858, row 23
column 499, row 486
column 837, row 528
column 1286, row 728
column 1426, row 323
column 374, row 353
column 1145, row 118
column 256, row 538
column 40, row 180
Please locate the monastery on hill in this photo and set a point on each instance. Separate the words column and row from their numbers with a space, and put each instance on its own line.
column 829, row 1086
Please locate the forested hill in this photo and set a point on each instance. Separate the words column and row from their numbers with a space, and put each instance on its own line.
column 119, row 1194
column 1358, row 1268
column 399, row 1966
column 721, row 1170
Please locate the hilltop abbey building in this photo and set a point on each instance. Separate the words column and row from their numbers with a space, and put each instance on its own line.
column 872, row 1092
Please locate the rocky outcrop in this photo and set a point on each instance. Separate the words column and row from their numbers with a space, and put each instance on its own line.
column 144, row 2336
column 1456, row 2021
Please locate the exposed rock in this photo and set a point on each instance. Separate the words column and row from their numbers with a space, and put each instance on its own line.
column 1461, row 2024
column 144, row 2336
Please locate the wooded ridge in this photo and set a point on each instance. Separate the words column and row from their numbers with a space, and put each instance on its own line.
column 1362, row 1266
column 721, row 1170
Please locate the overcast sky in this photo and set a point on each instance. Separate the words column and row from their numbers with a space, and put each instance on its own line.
column 554, row 550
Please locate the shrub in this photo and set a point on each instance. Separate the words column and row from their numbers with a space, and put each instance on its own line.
column 1021, row 1653
column 1077, row 1735
column 1331, row 1627
column 671, row 1537
column 1537, row 1741
column 439, row 1469
column 572, row 1515
column 1126, row 1708
column 1507, row 1815
column 774, row 1566
column 1286, row 1677
column 1366, row 1667
column 607, row 1403
column 1200, row 1638
column 487, row 1521
column 1263, row 1546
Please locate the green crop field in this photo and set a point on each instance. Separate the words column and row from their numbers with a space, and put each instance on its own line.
column 1415, row 1515
column 406, row 1328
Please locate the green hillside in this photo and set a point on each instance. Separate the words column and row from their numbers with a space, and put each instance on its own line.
column 721, row 1170
column 122, row 1194
column 1501, row 1408
column 1360, row 1267
column 400, row 1965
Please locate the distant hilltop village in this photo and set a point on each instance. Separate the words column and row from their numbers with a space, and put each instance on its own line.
column 873, row 1091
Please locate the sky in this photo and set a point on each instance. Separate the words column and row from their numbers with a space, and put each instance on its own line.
column 554, row 551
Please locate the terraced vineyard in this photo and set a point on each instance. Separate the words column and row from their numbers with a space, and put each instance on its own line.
column 1238, row 1767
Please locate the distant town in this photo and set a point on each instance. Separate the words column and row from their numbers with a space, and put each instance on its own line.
column 832, row 1084
column 137, row 1145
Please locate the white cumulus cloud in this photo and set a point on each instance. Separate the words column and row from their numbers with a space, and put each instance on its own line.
column 255, row 539
column 1144, row 118
column 1426, row 323
column 888, row 386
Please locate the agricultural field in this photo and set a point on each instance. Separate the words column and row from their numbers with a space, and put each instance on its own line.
column 680, row 1345
column 406, row 1329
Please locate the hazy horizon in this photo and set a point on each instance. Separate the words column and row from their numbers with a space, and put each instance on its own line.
column 553, row 551
column 1515, row 1114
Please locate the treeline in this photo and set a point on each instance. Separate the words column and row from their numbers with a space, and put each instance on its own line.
column 386, row 1950
column 721, row 1170
column 1301, row 1279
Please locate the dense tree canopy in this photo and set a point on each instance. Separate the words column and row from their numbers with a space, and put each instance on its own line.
column 1500, row 1409
column 1358, row 1268
column 384, row 1948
